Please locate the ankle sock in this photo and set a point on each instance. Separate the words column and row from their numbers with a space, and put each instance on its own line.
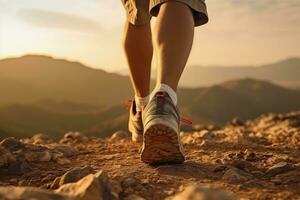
column 165, row 88
column 141, row 102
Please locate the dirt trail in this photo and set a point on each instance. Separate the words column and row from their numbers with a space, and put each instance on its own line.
column 257, row 159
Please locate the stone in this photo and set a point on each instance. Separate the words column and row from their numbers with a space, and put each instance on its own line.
column 73, row 137
column 188, row 139
column 55, row 183
column 250, row 156
column 129, row 182
column 235, row 175
column 5, row 157
column 66, row 150
column 279, row 168
column 237, row 122
column 37, row 154
column 219, row 168
column 41, row 138
column 16, row 193
column 115, row 188
column 93, row 186
column 12, row 144
column 120, row 135
column 196, row 192
column 257, row 173
column 203, row 134
column 63, row 161
column 133, row 197
column 18, row 167
column 75, row 175
column 242, row 164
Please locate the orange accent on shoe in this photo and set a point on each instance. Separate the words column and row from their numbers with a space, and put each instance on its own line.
column 127, row 104
column 186, row 121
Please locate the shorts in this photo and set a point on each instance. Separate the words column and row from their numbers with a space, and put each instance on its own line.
column 139, row 12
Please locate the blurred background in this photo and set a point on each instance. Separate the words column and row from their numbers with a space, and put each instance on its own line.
column 62, row 67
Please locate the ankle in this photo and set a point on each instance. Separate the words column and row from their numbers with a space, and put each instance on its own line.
column 141, row 102
column 165, row 88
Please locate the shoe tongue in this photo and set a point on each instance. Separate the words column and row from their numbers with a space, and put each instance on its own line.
column 161, row 94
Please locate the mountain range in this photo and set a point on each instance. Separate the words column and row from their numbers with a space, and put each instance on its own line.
column 33, row 78
column 285, row 72
column 54, row 96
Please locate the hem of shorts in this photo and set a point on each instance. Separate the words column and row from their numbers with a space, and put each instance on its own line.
column 199, row 8
column 137, row 20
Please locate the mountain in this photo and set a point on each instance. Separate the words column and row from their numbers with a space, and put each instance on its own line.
column 218, row 104
column 53, row 96
column 244, row 98
column 33, row 78
column 285, row 73
column 24, row 120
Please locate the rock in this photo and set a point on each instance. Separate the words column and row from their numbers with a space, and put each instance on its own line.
column 12, row 144
column 242, row 164
column 41, row 138
column 18, row 167
column 56, row 155
column 116, row 188
column 134, row 197
column 5, row 157
column 237, row 122
column 198, row 127
column 203, row 134
column 207, row 143
column 120, row 135
column 250, row 156
column 194, row 192
column 75, row 175
column 257, row 173
column 169, row 192
column 279, row 168
column 73, row 137
column 37, row 154
column 55, row 183
column 129, row 182
column 219, row 168
column 24, row 193
column 65, row 150
column 188, row 139
column 93, row 186
column 63, row 161
column 234, row 175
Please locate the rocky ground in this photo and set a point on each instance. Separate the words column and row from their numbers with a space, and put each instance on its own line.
column 257, row 159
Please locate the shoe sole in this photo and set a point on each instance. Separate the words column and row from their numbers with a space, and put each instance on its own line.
column 161, row 146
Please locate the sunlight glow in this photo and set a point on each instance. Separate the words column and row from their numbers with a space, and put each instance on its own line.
column 247, row 33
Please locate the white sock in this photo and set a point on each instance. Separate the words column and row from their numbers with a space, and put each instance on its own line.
column 165, row 88
column 141, row 102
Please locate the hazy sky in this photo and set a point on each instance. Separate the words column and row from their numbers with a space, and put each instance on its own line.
column 240, row 32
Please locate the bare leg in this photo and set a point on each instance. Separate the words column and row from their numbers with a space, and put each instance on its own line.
column 139, row 52
column 173, row 34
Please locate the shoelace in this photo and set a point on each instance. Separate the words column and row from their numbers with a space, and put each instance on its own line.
column 183, row 120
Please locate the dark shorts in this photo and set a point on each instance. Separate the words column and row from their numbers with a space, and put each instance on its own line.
column 140, row 11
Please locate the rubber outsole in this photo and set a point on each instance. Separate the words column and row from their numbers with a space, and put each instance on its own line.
column 161, row 146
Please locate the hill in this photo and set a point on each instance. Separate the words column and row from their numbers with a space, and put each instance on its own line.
column 285, row 72
column 31, row 78
column 254, row 160
column 246, row 99
column 24, row 120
